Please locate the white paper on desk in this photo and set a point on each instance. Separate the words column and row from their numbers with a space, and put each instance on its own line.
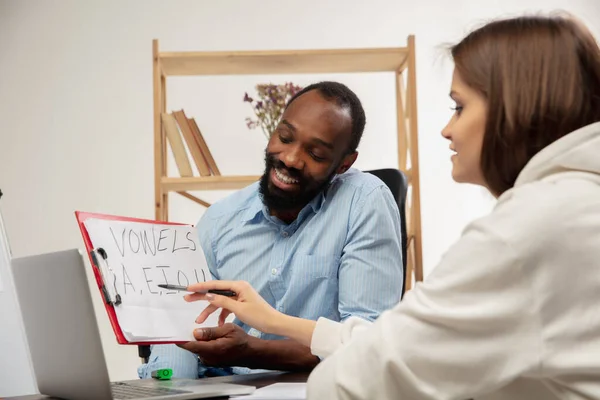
column 141, row 256
column 278, row 391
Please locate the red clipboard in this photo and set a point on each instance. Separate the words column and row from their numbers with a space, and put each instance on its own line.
column 110, row 309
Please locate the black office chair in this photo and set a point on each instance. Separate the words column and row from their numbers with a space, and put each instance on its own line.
column 398, row 184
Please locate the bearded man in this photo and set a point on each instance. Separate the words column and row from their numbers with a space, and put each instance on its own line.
column 315, row 237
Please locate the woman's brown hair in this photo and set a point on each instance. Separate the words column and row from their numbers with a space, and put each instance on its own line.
column 541, row 79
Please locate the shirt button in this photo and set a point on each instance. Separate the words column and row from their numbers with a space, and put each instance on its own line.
column 284, row 234
column 274, row 271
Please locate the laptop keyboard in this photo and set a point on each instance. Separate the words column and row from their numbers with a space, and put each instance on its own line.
column 123, row 391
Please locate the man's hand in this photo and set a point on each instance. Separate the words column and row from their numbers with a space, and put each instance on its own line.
column 230, row 346
column 224, row 346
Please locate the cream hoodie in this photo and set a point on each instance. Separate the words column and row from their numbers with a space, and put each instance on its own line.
column 512, row 311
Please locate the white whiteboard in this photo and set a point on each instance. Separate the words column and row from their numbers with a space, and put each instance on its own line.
column 15, row 359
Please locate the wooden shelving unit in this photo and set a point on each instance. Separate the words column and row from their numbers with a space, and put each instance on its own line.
column 400, row 61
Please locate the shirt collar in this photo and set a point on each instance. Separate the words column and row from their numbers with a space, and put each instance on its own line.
column 318, row 201
column 254, row 209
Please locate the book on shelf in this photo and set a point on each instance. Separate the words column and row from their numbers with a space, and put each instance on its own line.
column 192, row 143
column 204, row 147
column 177, row 146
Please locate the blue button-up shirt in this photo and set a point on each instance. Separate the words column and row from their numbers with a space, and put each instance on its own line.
column 341, row 257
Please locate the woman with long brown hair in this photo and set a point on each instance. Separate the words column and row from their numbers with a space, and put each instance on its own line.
column 512, row 311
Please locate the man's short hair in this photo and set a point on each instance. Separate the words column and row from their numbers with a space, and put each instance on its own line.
column 345, row 98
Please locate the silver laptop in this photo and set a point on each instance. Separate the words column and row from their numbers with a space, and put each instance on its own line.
column 64, row 340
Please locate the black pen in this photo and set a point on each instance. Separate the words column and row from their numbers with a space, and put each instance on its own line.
column 227, row 293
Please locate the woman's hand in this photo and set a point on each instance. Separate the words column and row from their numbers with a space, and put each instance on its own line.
column 248, row 306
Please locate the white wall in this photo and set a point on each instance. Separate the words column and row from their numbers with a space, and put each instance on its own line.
column 13, row 344
column 76, row 104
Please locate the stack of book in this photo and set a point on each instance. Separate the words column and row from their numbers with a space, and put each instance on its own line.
column 179, row 128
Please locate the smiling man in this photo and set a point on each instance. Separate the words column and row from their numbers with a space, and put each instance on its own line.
column 315, row 237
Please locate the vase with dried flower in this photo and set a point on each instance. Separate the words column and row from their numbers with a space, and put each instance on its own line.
column 269, row 105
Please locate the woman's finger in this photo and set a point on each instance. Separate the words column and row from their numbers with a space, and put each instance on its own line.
column 206, row 313
column 194, row 297
column 223, row 316
column 224, row 302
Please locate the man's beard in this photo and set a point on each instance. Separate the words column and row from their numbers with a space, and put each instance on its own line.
column 279, row 200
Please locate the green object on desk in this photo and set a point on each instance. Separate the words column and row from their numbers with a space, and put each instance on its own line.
column 163, row 374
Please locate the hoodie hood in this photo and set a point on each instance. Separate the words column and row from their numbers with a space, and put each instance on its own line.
column 578, row 151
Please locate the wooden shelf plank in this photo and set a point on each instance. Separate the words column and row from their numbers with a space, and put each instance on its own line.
column 207, row 183
column 194, row 199
column 283, row 61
